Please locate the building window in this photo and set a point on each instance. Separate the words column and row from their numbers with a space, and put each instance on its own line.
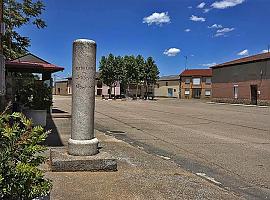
column 196, row 81
column 208, row 81
column 167, row 83
column 207, row 92
column 174, row 90
column 69, row 90
column 157, row 85
column 187, row 81
column 186, row 91
column 235, row 91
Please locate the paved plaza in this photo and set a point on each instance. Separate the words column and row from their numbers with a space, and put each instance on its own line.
column 227, row 145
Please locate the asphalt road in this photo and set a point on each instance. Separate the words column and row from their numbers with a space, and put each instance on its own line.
column 227, row 145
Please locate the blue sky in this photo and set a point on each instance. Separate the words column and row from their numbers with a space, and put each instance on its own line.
column 167, row 30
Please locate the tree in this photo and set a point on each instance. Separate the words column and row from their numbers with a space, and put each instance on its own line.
column 129, row 66
column 139, row 72
column 120, row 72
column 107, row 71
column 151, row 74
column 16, row 14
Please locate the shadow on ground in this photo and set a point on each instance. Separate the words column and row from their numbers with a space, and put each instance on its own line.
column 55, row 110
column 53, row 139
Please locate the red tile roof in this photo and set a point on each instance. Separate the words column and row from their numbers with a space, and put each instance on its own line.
column 197, row 72
column 254, row 58
column 32, row 66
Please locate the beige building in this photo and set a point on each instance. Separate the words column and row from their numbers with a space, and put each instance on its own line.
column 196, row 83
column 64, row 87
column 168, row 86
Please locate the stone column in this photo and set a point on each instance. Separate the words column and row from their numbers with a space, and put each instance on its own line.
column 83, row 141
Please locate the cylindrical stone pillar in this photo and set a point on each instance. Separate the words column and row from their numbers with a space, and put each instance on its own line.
column 83, row 141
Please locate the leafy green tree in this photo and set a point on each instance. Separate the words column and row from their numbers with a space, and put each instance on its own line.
column 139, row 72
column 18, row 13
column 120, row 72
column 107, row 71
column 129, row 66
column 151, row 74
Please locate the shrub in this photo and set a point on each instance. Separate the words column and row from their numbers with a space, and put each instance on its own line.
column 20, row 156
column 34, row 95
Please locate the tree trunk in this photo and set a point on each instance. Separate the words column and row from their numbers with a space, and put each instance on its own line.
column 128, row 90
column 146, row 90
column 137, row 88
column 110, row 94
column 114, row 91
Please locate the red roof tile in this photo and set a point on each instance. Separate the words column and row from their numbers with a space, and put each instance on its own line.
column 35, row 67
column 197, row 72
column 254, row 58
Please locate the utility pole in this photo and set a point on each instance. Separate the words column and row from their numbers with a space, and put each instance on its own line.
column 2, row 59
column 186, row 61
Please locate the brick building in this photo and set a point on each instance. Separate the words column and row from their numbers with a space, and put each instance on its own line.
column 196, row 83
column 245, row 80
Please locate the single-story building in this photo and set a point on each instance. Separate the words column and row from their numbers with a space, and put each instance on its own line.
column 245, row 80
column 64, row 87
column 196, row 83
column 167, row 86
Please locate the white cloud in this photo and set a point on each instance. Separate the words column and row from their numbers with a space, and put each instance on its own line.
column 190, row 7
column 225, row 30
column 222, row 32
column 206, row 10
column 226, row 3
column 209, row 64
column 265, row 51
column 171, row 52
column 216, row 26
column 197, row 19
column 243, row 53
column 187, row 30
column 157, row 18
column 201, row 5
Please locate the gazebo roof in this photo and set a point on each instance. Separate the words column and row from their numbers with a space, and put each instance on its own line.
column 31, row 64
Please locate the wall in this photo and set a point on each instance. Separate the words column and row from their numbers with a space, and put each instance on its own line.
column 203, row 86
column 65, row 88
column 223, row 92
column 242, row 72
column 244, row 75
column 161, row 89
column 61, row 88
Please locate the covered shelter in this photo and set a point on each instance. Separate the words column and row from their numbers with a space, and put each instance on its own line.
column 28, row 63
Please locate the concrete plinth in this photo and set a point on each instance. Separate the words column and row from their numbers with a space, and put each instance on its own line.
column 83, row 147
column 61, row 161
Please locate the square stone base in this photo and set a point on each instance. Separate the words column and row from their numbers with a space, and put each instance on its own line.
column 61, row 161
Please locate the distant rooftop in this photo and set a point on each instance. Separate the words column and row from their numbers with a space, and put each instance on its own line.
column 168, row 78
column 254, row 58
column 197, row 72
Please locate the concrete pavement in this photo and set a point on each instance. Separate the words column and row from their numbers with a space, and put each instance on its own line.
column 229, row 146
